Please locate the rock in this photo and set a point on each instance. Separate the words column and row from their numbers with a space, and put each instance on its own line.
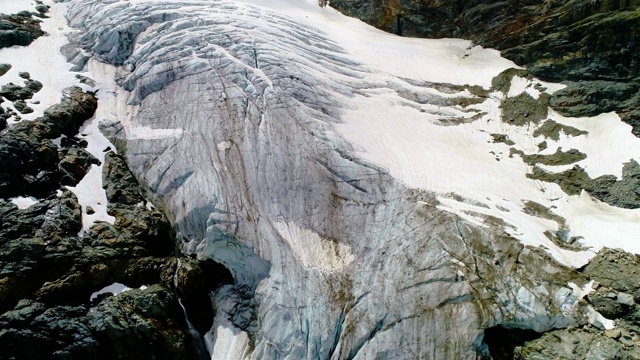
column 24, row 75
column 613, row 333
column 19, row 29
column 593, row 45
column 124, row 187
column 29, row 159
column 578, row 344
column 4, row 68
column 74, row 163
column 609, row 308
column 615, row 269
column 606, row 188
column 22, row 107
column 141, row 324
column 90, row 210
column 42, row 9
column 13, row 92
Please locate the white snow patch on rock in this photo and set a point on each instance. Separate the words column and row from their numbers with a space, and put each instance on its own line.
column 115, row 289
column 24, row 202
column 311, row 250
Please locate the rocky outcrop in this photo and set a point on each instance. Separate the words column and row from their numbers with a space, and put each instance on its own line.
column 31, row 162
column 50, row 277
column 593, row 45
column 19, row 29
column 615, row 297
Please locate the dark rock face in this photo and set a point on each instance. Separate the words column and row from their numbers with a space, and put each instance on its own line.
column 48, row 272
column 593, row 44
column 617, row 290
column 19, row 29
column 31, row 162
column 622, row 193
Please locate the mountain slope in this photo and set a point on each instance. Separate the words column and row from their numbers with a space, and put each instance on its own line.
column 371, row 196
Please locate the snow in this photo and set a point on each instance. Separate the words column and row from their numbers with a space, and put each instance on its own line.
column 311, row 250
column 148, row 133
column 90, row 193
column 520, row 85
column 608, row 145
column 230, row 343
column 15, row 6
column 41, row 59
column 457, row 159
column 24, row 202
column 115, row 289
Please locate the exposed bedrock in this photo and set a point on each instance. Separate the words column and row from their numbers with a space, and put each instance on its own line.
column 20, row 29
column 332, row 257
column 592, row 44
column 49, row 273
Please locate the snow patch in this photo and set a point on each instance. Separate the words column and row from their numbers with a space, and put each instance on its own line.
column 115, row 289
column 230, row 342
column 464, row 160
column 147, row 133
column 224, row 145
column 24, row 202
column 311, row 250
column 15, row 6
column 89, row 190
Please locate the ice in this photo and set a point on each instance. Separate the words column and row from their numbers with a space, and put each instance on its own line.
column 229, row 342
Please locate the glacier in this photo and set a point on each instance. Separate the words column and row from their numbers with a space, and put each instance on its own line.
column 346, row 177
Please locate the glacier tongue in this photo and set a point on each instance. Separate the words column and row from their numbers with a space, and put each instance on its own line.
column 253, row 126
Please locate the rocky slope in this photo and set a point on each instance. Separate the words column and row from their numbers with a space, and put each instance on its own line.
column 590, row 45
column 52, row 272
